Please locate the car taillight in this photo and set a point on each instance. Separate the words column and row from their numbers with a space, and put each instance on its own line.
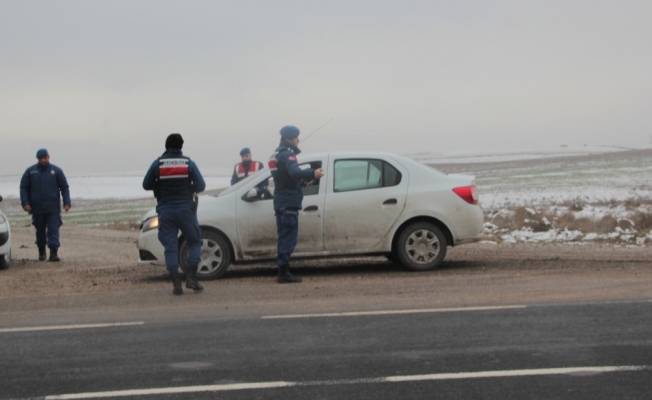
column 468, row 193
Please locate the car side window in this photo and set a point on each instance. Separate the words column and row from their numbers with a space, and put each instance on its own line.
column 391, row 176
column 308, row 187
column 364, row 174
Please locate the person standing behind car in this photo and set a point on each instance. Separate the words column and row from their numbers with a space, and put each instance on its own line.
column 288, row 197
column 40, row 187
column 242, row 169
column 175, row 180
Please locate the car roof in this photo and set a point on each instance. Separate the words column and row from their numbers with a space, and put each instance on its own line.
column 345, row 154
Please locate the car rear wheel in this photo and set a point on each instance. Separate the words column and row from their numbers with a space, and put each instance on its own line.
column 215, row 256
column 421, row 246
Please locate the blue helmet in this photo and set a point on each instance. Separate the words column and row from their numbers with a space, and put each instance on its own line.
column 289, row 132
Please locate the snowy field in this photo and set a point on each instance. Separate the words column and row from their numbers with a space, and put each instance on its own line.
column 574, row 195
column 572, row 201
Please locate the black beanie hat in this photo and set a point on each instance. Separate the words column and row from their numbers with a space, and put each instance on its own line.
column 174, row 141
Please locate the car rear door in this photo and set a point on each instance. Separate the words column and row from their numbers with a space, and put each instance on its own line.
column 364, row 198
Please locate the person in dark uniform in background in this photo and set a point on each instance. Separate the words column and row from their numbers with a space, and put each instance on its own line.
column 288, row 197
column 175, row 180
column 40, row 188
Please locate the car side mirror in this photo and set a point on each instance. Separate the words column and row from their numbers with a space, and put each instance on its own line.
column 250, row 199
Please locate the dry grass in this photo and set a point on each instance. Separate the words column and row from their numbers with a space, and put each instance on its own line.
column 565, row 217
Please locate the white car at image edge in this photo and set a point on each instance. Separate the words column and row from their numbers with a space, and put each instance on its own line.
column 366, row 204
column 5, row 241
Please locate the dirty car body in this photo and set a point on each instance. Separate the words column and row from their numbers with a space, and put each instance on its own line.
column 366, row 204
column 5, row 241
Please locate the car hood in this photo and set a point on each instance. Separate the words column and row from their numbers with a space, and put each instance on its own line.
column 203, row 202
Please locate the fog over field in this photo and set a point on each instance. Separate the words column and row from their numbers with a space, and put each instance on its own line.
column 570, row 195
column 101, row 83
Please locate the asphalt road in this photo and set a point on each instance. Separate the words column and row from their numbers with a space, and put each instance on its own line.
column 520, row 352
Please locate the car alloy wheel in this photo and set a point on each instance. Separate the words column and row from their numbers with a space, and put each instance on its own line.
column 421, row 246
column 215, row 256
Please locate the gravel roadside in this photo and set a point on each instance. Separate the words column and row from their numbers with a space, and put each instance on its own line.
column 98, row 279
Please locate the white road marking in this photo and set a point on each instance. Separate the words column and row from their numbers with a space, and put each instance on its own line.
column 391, row 379
column 61, row 327
column 172, row 390
column 390, row 312
column 522, row 372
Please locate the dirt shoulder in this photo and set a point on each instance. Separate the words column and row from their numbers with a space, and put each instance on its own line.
column 98, row 280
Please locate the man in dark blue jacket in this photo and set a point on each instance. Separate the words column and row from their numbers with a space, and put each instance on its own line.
column 288, row 197
column 175, row 180
column 40, row 190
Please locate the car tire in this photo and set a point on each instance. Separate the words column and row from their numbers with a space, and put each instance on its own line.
column 215, row 256
column 5, row 261
column 421, row 247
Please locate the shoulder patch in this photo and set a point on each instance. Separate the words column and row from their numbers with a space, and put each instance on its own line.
column 52, row 172
column 293, row 158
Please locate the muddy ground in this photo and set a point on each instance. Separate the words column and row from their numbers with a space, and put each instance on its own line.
column 98, row 279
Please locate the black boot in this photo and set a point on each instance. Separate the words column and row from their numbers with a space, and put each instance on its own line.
column 191, row 279
column 284, row 275
column 53, row 254
column 176, row 283
column 41, row 253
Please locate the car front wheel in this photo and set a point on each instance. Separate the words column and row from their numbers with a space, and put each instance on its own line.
column 215, row 256
column 421, row 247
column 5, row 261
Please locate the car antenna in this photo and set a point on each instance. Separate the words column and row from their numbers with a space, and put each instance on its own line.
column 327, row 122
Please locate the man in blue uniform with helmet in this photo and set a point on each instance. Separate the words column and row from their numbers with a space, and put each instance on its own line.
column 175, row 180
column 40, row 188
column 288, row 197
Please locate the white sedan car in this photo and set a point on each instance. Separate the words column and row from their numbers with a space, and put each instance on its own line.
column 5, row 241
column 366, row 204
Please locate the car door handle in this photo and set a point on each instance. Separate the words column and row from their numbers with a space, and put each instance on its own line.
column 311, row 208
column 390, row 201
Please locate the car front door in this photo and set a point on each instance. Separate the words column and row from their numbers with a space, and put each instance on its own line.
column 256, row 221
column 364, row 199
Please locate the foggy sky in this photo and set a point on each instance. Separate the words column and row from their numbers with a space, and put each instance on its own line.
column 102, row 83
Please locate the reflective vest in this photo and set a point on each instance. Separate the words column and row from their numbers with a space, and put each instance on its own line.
column 240, row 172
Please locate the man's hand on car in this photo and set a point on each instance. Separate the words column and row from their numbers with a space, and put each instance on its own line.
column 253, row 192
column 319, row 172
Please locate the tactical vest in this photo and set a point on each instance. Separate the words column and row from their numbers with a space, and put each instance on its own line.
column 282, row 178
column 173, row 183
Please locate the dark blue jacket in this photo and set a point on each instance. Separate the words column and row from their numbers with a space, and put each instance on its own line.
column 287, row 177
column 40, row 188
column 174, row 179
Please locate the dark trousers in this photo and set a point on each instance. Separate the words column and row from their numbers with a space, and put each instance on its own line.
column 287, row 227
column 170, row 222
column 47, row 229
